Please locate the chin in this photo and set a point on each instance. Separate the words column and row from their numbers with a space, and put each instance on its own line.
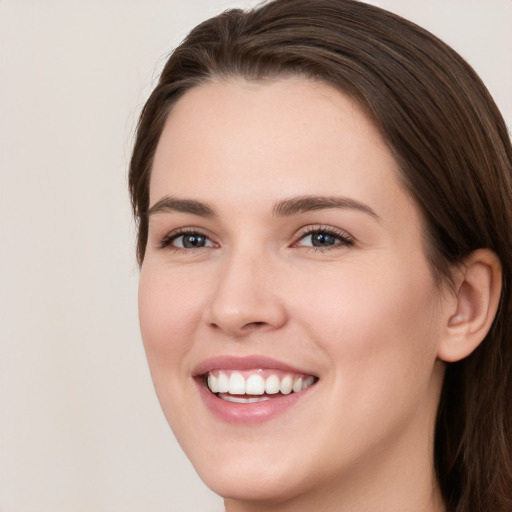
column 245, row 481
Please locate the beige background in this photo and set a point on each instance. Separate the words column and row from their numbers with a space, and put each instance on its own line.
column 80, row 427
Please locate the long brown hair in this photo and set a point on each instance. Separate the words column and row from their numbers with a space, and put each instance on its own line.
column 455, row 157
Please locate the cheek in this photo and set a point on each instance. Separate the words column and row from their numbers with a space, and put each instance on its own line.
column 168, row 312
column 379, row 337
column 376, row 325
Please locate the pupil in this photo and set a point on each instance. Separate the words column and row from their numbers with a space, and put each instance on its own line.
column 193, row 241
column 322, row 239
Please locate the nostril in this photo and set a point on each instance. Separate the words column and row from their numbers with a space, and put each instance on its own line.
column 249, row 325
column 252, row 325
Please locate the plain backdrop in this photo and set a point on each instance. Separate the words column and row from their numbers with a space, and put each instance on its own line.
column 80, row 426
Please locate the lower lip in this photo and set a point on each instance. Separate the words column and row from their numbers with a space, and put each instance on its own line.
column 257, row 412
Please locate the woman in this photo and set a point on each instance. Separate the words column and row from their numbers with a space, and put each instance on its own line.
column 323, row 192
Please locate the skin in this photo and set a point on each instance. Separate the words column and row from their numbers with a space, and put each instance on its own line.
column 366, row 317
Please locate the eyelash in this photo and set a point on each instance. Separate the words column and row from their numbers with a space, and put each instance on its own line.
column 167, row 241
column 343, row 238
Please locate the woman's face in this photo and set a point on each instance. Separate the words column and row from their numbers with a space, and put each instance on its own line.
column 284, row 254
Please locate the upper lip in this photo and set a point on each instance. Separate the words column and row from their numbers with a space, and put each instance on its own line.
column 244, row 363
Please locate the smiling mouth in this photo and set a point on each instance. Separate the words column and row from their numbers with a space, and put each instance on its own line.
column 253, row 386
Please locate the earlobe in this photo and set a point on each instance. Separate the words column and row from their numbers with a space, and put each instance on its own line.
column 475, row 303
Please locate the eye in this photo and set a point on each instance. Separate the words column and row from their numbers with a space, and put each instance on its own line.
column 187, row 240
column 324, row 238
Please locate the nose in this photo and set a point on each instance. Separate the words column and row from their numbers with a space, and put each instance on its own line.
column 246, row 297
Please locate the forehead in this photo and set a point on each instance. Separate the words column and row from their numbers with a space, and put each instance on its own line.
column 286, row 112
column 291, row 136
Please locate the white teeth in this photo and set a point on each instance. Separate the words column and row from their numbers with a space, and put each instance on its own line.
column 213, row 383
column 255, row 385
column 286, row 386
column 223, row 383
column 241, row 400
column 308, row 382
column 236, row 384
column 272, row 385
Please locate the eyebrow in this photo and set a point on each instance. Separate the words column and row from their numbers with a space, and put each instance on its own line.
column 174, row 204
column 284, row 208
column 304, row 204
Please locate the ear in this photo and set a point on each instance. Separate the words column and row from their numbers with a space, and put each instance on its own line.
column 473, row 308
